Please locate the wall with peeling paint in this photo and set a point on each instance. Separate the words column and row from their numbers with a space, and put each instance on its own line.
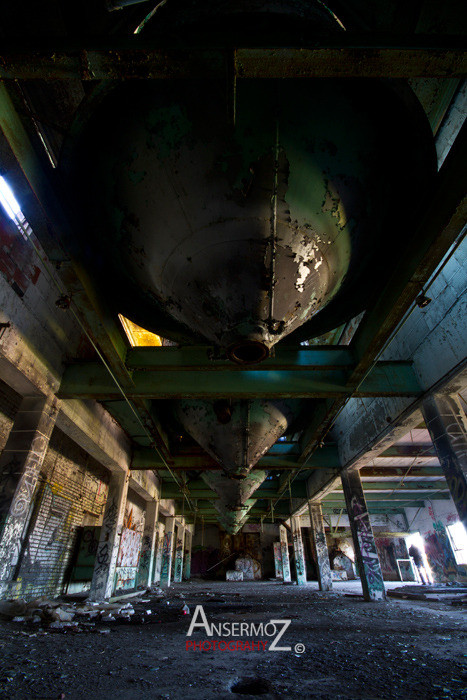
column 131, row 539
column 71, row 493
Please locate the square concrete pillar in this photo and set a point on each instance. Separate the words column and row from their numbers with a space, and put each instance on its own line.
column 299, row 552
column 320, row 546
column 20, row 464
column 179, row 548
column 364, row 542
column 148, row 545
column 103, row 579
column 167, row 551
column 158, row 553
column 287, row 578
column 187, row 556
column 278, row 560
column 447, row 424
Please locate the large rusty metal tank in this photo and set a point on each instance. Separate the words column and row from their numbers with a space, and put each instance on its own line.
column 236, row 433
column 237, row 233
column 234, row 497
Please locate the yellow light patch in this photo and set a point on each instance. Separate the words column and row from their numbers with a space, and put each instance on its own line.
column 139, row 337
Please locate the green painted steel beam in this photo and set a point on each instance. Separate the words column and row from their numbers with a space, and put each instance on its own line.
column 206, row 358
column 409, row 450
column 395, row 498
column 282, row 448
column 146, row 458
column 268, row 490
column 393, row 471
column 327, row 510
column 390, row 486
column 92, row 381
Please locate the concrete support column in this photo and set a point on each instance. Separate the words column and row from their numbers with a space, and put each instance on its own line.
column 148, row 546
column 320, row 546
column 20, row 464
column 102, row 583
column 447, row 423
column 362, row 534
column 278, row 560
column 187, row 556
column 179, row 546
column 300, row 568
column 158, row 554
column 285, row 555
column 167, row 550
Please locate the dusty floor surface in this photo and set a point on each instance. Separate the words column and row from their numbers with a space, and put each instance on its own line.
column 352, row 649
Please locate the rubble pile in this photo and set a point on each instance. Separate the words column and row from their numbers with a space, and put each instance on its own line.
column 70, row 615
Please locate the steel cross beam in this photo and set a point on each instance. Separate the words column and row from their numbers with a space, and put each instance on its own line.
column 383, row 491
column 347, row 54
column 207, row 358
column 91, row 381
column 145, row 458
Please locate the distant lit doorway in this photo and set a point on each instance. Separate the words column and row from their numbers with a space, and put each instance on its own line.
column 422, row 570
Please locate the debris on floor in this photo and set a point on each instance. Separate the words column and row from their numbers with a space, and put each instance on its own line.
column 403, row 649
column 454, row 595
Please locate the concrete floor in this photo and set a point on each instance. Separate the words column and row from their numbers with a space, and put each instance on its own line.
column 351, row 649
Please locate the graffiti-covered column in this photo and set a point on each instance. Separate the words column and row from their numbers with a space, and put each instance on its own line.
column 146, row 561
column 285, row 555
column 102, row 583
column 187, row 555
column 278, row 560
column 299, row 552
column 158, row 554
column 447, row 423
column 362, row 535
column 20, row 464
column 167, row 549
column 179, row 545
column 320, row 546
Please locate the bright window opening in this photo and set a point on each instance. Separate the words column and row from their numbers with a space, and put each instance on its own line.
column 458, row 537
column 12, row 208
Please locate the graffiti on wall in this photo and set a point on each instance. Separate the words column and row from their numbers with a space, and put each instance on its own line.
column 127, row 559
column 178, row 570
column 106, row 552
column 125, row 577
column 128, row 553
column 250, row 567
column 439, row 553
column 145, row 559
column 16, row 495
column 389, row 550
